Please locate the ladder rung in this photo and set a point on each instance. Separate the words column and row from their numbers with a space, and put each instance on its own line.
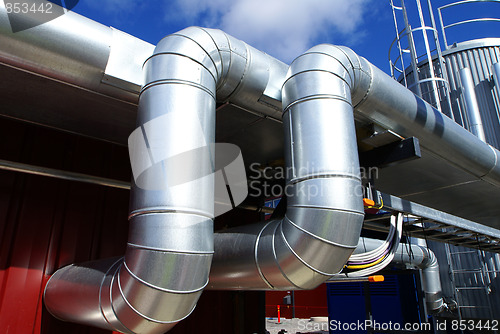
column 473, row 242
column 472, row 306
column 463, row 252
column 470, row 288
column 466, row 271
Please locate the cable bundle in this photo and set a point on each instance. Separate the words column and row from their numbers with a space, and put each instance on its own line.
column 370, row 262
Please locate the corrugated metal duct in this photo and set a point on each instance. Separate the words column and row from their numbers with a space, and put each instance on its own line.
column 170, row 245
column 161, row 277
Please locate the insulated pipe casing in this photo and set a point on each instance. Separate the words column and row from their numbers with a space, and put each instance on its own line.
column 73, row 49
column 170, row 245
column 324, row 194
column 473, row 112
column 388, row 103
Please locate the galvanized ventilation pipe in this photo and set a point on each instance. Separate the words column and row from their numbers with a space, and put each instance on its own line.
column 378, row 97
column 324, row 195
column 302, row 250
column 324, row 214
column 415, row 256
column 170, row 246
column 74, row 49
column 495, row 69
column 470, row 99
column 386, row 102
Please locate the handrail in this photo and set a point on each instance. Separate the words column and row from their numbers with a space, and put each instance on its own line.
column 444, row 27
column 485, row 19
column 402, row 33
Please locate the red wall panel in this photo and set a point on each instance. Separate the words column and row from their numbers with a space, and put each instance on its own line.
column 47, row 223
column 308, row 303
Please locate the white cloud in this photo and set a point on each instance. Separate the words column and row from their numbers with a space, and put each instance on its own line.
column 283, row 28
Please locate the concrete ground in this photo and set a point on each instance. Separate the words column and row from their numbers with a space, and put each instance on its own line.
column 295, row 326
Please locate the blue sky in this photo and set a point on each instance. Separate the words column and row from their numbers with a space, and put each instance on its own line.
column 285, row 28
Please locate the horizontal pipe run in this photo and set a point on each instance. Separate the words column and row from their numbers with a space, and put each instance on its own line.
column 75, row 50
column 389, row 104
column 63, row 175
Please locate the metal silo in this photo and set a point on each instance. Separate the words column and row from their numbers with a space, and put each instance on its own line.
column 464, row 84
column 479, row 57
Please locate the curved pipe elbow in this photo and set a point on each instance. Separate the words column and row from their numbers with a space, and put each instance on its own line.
column 170, row 244
column 431, row 282
column 324, row 210
column 243, row 75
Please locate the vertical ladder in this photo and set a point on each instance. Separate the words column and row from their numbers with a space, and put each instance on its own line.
column 432, row 83
column 470, row 281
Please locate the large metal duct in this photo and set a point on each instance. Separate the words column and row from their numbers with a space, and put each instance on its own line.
column 378, row 97
column 418, row 257
column 324, row 195
column 170, row 246
column 161, row 277
column 75, row 50
column 323, row 85
column 301, row 250
column 391, row 105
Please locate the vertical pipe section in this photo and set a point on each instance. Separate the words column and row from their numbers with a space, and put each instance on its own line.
column 170, row 245
column 496, row 73
column 323, row 187
column 495, row 69
column 473, row 112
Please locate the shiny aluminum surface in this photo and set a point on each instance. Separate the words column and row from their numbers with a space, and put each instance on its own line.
column 237, row 73
column 479, row 56
column 169, row 253
column 429, row 181
column 470, row 99
column 78, row 51
column 324, row 209
column 392, row 105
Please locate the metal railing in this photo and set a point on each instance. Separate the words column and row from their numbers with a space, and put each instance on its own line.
column 458, row 23
column 432, row 84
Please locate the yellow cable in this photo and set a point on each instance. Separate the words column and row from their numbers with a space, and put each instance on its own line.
column 368, row 265
column 380, row 207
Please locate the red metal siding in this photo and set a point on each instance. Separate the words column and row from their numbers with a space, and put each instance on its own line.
column 310, row 303
column 47, row 223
